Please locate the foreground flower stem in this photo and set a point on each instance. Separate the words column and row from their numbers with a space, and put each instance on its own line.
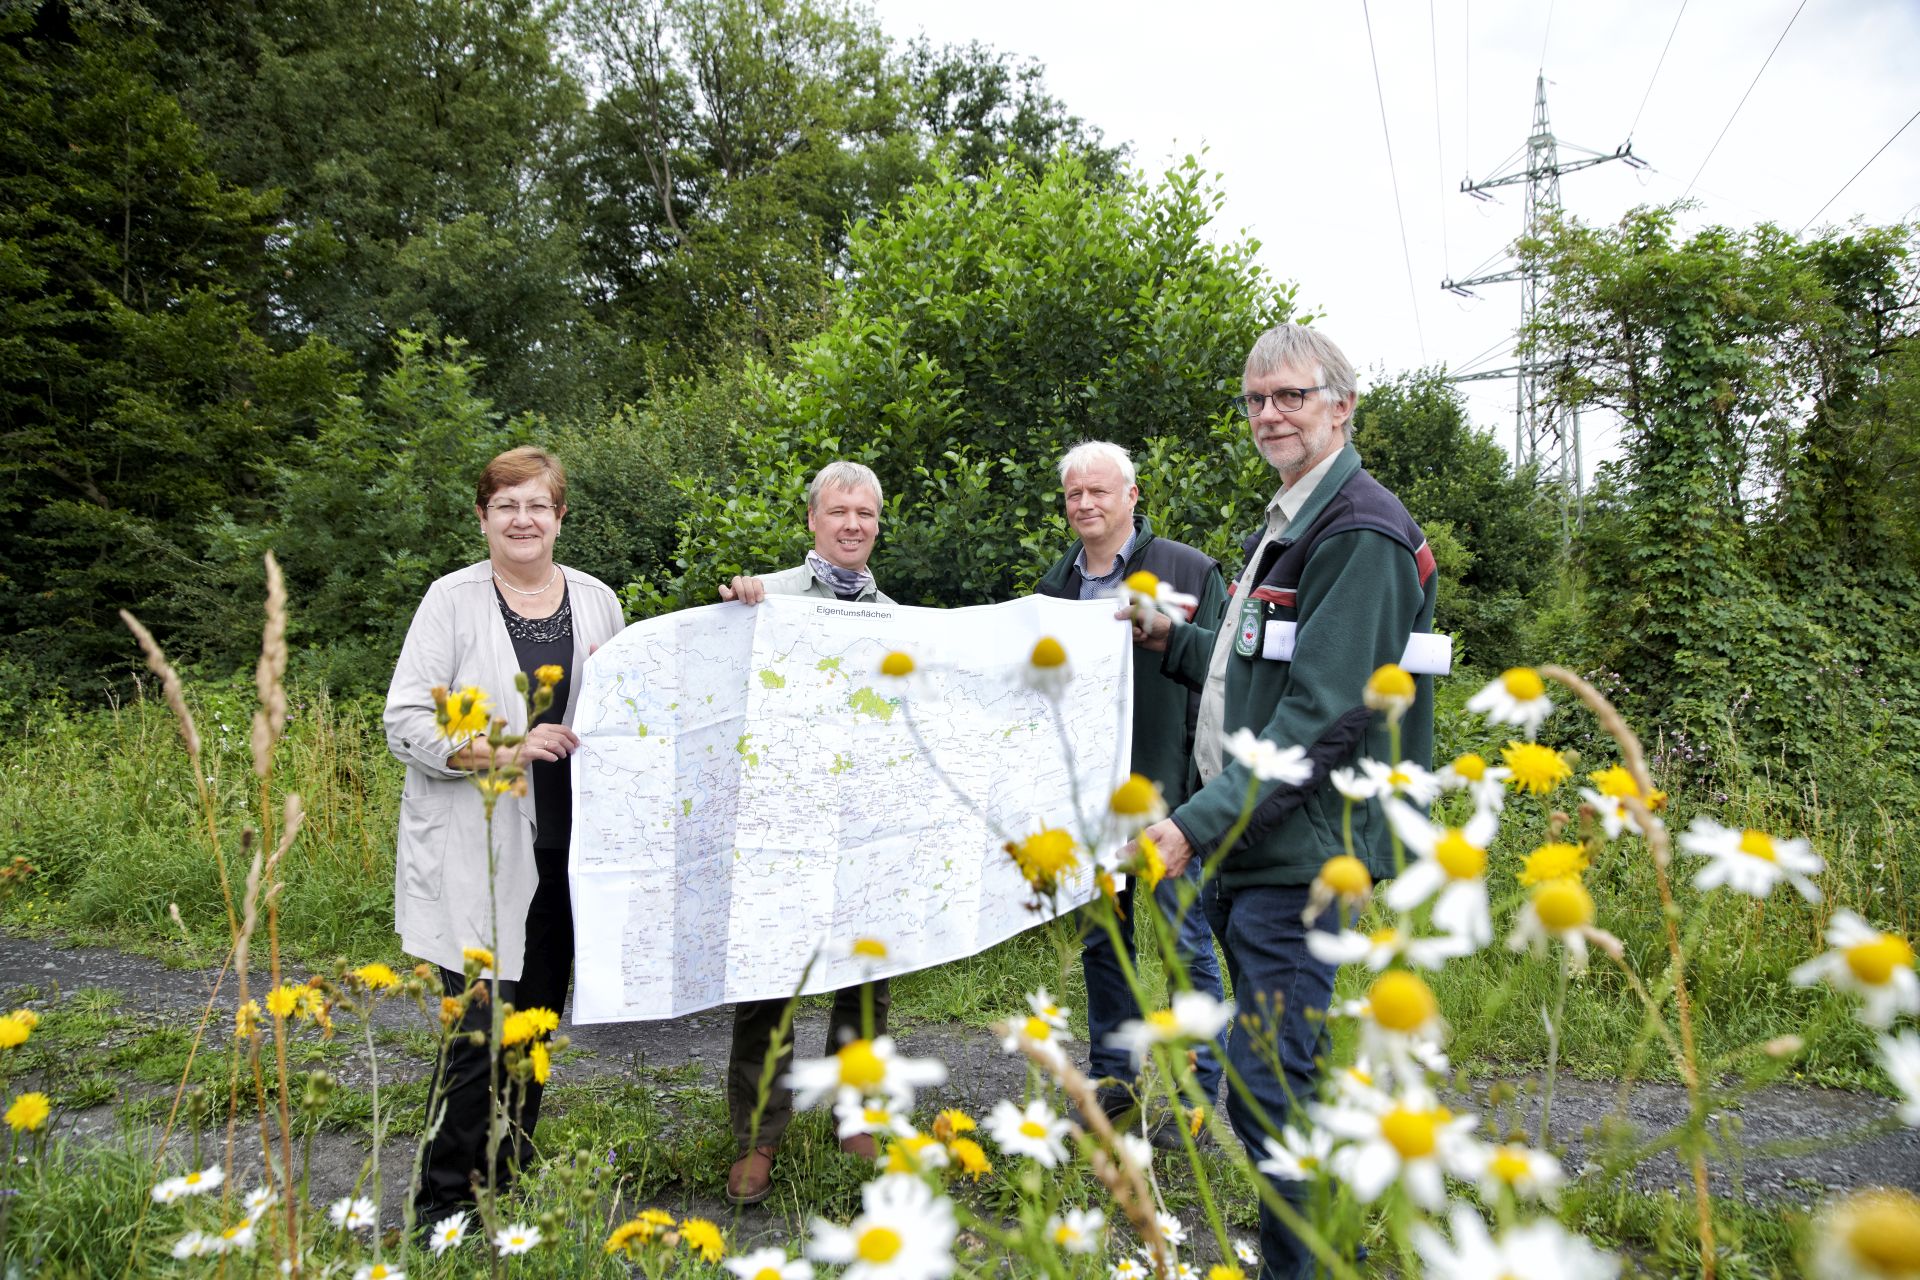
column 1553, row 1022
column 1656, row 834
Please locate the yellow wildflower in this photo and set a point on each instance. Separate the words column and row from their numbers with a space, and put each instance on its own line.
column 950, row 1123
column 377, row 976
column 28, row 1112
column 476, row 957
column 897, row 665
column 1047, row 668
column 970, row 1157
column 703, row 1238
column 282, row 1000
column 1150, row 866
column 528, row 1024
column 1043, row 858
column 246, row 1020
column 646, row 1226
column 549, row 675
column 1220, row 1271
column 462, row 714
column 542, row 1061
column 1400, row 1001
column 13, row 1032
column 1554, row 860
column 1139, row 798
column 1535, row 768
column 1389, row 689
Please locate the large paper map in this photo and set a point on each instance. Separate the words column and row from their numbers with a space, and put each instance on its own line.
column 748, row 796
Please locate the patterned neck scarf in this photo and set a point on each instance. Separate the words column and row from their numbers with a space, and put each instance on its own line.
column 845, row 582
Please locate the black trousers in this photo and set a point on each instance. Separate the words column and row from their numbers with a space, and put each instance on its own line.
column 754, row 1022
column 454, row 1158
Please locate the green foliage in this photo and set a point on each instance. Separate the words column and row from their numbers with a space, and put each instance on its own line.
column 1493, row 541
column 1739, row 563
column 986, row 326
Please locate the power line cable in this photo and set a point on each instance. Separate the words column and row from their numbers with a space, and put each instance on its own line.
column 1863, row 168
column 1656, row 70
column 1466, row 90
column 1406, row 253
column 1439, row 140
column 1548, row 32
column 1743, row 100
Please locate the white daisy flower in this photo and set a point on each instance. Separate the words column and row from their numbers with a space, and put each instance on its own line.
column 1145, row 591
column 1185, row 1271
column 1750, row 861
column 379, row 1271
column 1246, row 1253
column 1297, row 1157
column 237, row 1238
column 168, row 1190
column 1532, row 1175
column 1045, row 1037
column 191, row 1245
column 769, row 1264
column 1267, row 761
column 448, row 1233
column 1129, row 1269
column 1193, row 1015
column 1516, row 696
column 351, row 1213
column 196, row 1182
column 1379, row 948
column 1452, row 863
column 1401, row 1014
column 1353, row 784
column 1135, row 1150
column 904, row 1232
column 1077, row 1231
column 1414, row 1141
column 518, row 1237
column 857, row 1115
column 1561, row 910
column 1861, row 1236
column 1034, row 1131
column 1047, row 671
column 1900, row 1055
column 258, row 1201
column 1043, row 1007
column 869, row 1068
column 1539, row 1250
column 1486, row 783
column 1172, row 1229
column 1877, row 967
column 1404, row 779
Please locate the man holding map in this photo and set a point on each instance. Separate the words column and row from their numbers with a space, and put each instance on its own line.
column 1098, row 484
column 843, row 513
column 1343, row 573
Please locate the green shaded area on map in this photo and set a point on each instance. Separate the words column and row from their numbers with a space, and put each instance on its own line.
column 868, row 703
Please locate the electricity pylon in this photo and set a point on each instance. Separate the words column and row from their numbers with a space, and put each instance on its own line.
column 1543, row 434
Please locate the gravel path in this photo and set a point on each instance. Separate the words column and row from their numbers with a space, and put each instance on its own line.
column 1800, row 1142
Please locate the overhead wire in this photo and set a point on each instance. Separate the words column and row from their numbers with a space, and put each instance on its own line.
column 1406, row 251
column 1743, row 99
column 1662, row 61
column 1439, row 140
column 1862, row 169
column 1552, row 5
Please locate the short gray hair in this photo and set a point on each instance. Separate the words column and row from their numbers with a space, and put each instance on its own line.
column 843, row 475
column 1088, row 452
column 1298, row 345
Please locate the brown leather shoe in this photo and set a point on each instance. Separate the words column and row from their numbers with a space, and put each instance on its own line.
column 861, row 1145
column 751, row 1179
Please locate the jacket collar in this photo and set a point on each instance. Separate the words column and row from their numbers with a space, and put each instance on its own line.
column 1346, row 464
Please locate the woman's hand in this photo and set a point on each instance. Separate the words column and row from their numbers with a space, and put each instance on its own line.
column 549, row 742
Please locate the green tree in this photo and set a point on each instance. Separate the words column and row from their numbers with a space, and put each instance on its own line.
column 985, row 326
column 1488, row 526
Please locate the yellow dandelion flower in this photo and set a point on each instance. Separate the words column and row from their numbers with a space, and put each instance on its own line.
column 377, row 977
column 476, row 957
column 1044, row 857
column 549, row 675
column 517, row 1029
column 28, row 1112
column 542, row 1060
column 246, row 1020
column 970, row 1158
column 1536, row 769
column 283, row 1000
column 1555, row 860
column 14, row 1030
column 703, row 1238
column 464, row 714
column 449, row 1011
column 1150, row 866
column 950, row 1123
column 1220, row 1271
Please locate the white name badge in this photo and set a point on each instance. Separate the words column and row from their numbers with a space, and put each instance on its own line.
column 1427, row 654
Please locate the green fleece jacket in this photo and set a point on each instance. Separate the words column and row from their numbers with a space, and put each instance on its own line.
column 1163, row 709
column 1366, row 583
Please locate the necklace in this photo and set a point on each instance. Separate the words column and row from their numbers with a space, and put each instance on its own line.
column 539, row 590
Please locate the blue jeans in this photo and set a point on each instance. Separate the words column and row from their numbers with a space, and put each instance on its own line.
column 1264, row 941
column 1110, row 1001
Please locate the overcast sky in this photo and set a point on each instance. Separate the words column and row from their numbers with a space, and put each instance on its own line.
column 1282, row 96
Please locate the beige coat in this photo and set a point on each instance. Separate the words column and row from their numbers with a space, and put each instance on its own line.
column 440, row 875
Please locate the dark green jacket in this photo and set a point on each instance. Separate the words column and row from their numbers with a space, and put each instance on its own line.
column 1356, row 576
column 1163, row 709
